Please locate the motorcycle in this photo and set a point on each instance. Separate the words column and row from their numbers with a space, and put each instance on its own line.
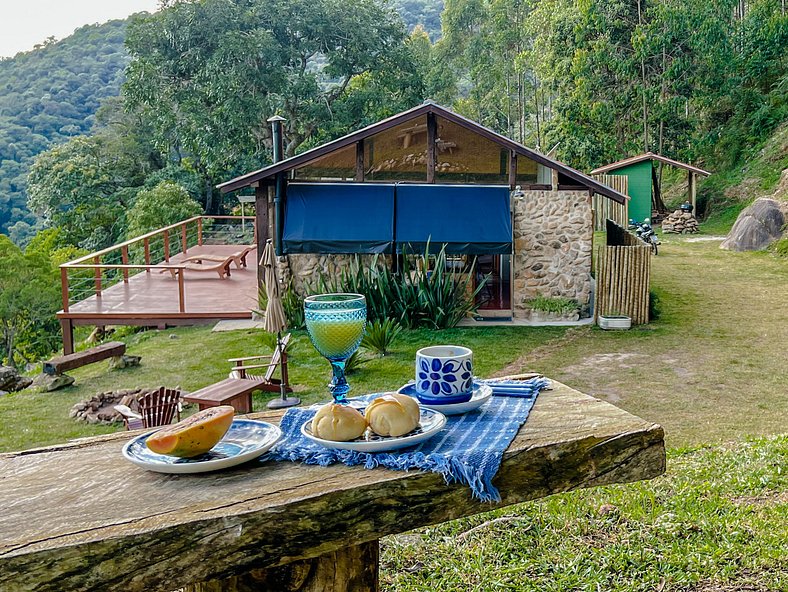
column 647, row 234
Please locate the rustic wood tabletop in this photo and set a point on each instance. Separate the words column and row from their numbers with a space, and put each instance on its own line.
column 79, row 517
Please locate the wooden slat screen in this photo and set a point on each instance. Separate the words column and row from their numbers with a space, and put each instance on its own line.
column 622, row 282
column 605, row 208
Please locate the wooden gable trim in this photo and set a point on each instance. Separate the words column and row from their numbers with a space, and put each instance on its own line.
column 648, row 156
column 426, row 109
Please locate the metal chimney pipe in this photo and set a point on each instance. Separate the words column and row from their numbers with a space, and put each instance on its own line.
column 278, row 153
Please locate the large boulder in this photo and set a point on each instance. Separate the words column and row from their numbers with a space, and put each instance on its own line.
column 757, row 226
column 12, row 381
column 49, row 382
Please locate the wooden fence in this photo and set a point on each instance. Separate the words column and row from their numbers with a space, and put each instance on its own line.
column 605, row 208
column 623, row 276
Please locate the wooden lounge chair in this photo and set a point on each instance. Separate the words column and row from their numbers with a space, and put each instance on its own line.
column 156, row 409
column 222, row 267
column 247, row 369
column 238, row 257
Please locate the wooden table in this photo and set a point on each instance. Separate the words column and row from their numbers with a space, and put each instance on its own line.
column 230, row 391
column 78, row 517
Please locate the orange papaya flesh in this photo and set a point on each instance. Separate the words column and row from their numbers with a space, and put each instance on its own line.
column 193, row 436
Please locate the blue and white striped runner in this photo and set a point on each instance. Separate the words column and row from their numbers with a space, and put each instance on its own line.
column 467, row 450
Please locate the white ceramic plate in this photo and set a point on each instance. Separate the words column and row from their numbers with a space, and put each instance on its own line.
column 481, row 394
column 431, row 423
column 246, row 439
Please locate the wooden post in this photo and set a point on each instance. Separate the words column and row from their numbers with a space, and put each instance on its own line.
column 691, row 181
column 554, row 179
column 181, row 294
column 124, row 257
column 146, row 243
column 67, row 327
column 360, row 161
column 64, row 287
column 167, row 246
column 432, row 136
column 184, row 240
column 512, row 170
column 199, row 231
column 97, row 275
column 352, row 569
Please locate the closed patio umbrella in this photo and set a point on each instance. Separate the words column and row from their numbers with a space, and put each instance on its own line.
column 275, row 320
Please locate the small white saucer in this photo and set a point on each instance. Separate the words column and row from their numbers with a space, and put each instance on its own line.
column 481, row 394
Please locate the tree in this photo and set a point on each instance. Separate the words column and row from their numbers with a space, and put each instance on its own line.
column 75, row 187
column 165, row 204
column 209, row 74
column 29, row 298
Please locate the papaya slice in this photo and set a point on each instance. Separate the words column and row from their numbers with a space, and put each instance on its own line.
column 193, row 436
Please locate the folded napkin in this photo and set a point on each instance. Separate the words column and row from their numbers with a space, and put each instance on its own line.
column 507, row 387
column 467, row 450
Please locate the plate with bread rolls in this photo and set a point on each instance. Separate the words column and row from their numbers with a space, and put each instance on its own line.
column 389, row 422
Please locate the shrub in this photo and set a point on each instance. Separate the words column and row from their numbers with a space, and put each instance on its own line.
column 354, row 362
column 293, row 306
column 654, row 306
column 554, row 305
column 436, row 299
column 380, row 335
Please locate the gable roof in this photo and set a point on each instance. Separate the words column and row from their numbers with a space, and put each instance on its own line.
column 421, row 110
column 648, row 156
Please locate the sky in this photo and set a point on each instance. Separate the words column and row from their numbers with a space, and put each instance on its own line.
column 24, row 23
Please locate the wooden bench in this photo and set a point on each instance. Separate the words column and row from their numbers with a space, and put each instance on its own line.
column 112, row 349
column 230, row 391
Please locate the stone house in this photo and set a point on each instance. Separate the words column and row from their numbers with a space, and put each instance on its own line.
column 431, row 176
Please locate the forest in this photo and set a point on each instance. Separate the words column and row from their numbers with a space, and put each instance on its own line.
column 101, row 132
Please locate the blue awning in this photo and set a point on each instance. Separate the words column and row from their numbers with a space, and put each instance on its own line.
column 470, row 219
column 338, row 218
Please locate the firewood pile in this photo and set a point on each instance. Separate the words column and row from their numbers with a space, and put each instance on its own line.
column 100, row 408
column 680, row 223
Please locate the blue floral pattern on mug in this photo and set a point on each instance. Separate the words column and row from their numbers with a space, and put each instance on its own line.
column 450, row 377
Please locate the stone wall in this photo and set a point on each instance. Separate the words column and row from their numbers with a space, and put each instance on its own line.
column 305, row 270
column 553, row 233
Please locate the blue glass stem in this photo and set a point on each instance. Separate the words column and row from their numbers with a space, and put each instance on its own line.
column 338, row 385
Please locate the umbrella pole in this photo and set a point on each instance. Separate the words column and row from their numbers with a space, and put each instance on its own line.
column 283, row 401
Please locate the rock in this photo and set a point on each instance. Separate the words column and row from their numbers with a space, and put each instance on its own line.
column 3, row 393
column 48, row 383
column 757, row 226
column 124, row 361
column 12, row 381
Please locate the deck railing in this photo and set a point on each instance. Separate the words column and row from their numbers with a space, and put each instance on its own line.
column 91, row 274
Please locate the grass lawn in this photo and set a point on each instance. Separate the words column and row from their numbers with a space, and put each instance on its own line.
column 717, row 522
column 712, row 370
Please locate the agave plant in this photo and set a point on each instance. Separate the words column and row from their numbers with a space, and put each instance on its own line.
column 380, row 335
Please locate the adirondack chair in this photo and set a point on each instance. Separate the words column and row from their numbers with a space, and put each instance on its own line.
column 250, row 368
column 156, row 409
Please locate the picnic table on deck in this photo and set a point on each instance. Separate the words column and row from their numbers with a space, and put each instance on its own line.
column 79, row 517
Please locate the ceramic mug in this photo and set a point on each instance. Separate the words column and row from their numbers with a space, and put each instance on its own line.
column 444, row 371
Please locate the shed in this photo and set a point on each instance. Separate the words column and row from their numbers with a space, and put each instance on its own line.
column 431, row 175
column 644, row 189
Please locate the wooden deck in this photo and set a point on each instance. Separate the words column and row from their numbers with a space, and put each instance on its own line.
column 151, row 297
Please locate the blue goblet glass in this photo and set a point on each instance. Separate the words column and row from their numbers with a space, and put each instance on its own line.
column 335, row 323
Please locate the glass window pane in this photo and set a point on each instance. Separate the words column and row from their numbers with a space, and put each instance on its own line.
column 526, row 170
column 335, row 166
column 466, row 157
column 398, row 154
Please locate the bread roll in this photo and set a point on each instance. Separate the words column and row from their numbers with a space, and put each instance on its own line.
column 393, row 415
column 339, row 423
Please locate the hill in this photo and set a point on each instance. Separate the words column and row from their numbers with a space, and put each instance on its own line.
column 48, row 95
